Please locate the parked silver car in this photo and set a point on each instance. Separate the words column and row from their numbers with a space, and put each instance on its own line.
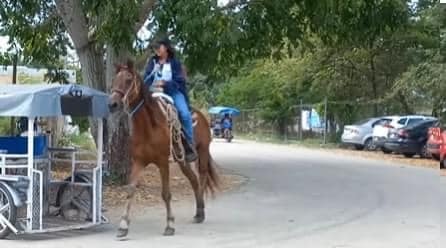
column 360, row 134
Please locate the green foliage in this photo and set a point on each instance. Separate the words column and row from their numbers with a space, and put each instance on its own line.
column 82, row 122
column 397, row 69
column 34, row 29
column 217, row 40
column 270, row 86
column 425, row 81
column 56, row 76
column 79, row 76
column 5, row 126
column 357, row 22
column 23, row 78
column 113, row 21
column 367, row 57
column 202, row 91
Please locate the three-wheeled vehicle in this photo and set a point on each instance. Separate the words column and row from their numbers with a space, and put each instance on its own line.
column 221, row 120
column 32, row 200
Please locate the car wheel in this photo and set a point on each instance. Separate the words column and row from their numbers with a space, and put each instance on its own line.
column 386, row 151
column 369, row 145
column 408, row 154
column 424, row 153
column 359, row 147
column 443, row 164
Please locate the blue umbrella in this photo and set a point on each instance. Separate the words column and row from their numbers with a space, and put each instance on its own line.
column 221, row 110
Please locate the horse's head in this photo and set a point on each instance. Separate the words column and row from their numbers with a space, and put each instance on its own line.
column 125, row 87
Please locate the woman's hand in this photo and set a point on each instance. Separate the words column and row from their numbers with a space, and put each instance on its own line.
column 160, row 83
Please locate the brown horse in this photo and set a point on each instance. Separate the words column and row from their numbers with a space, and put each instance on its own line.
column 150, row 144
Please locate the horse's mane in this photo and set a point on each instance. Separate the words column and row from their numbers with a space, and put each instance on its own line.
column 150, row 102
column 143, row 91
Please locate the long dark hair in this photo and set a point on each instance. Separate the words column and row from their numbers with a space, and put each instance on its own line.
column 170, row 51
column 166, row 42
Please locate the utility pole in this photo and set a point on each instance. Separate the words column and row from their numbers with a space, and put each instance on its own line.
column 325, row 120
column 300, row 119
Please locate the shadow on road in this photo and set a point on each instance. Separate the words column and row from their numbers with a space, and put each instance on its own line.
column 62, row 235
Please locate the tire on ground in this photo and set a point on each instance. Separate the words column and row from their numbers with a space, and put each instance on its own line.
column 6, row 197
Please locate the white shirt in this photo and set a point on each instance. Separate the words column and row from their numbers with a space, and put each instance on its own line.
column 163, row 72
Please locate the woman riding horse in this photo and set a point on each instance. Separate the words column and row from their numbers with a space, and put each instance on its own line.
column 150, row 143
column 166, row 72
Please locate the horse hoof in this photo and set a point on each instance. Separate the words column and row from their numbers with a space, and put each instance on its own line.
column 199, row 216
column 122, row 233
column 198, row 219
column 170, row 231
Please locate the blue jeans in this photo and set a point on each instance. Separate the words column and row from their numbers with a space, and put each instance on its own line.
column 184, row 114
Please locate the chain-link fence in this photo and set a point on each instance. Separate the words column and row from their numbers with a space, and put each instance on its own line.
column 321, row 122
column 302, row 123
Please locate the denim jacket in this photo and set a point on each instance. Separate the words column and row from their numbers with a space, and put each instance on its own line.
column 178, row 81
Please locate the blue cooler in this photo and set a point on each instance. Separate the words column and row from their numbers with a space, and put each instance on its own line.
column 19, row 145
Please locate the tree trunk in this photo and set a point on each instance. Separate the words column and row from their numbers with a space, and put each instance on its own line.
column 374, row 84
column 407, row 109
column 14, row 69
column 119, row 145
column 96, row 75
column 282, row 125
column 92, row 67
column 14, row 81
column 331, row 128
column 55, row 125
column 93, row 74
column 117, row 126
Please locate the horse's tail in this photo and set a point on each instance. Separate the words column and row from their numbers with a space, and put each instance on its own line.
column 213, row 179
column 207, row 167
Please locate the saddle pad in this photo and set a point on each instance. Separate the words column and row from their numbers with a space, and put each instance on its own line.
column 163, row 96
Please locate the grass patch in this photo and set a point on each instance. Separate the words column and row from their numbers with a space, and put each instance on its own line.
column 83, row 141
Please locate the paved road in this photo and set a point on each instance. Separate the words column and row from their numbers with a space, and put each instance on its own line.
column 292, row 198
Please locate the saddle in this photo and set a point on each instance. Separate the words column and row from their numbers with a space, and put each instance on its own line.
column 169, row 100
column 163, row 96
column 166, row 104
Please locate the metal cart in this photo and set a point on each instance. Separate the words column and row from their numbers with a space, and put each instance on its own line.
column 31, row 199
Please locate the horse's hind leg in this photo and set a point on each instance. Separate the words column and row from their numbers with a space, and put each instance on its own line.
column 189, row 173
column 131, row 189
column 203, row 170
column 166, row 195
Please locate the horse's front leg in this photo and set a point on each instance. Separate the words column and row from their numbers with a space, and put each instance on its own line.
column 135, row 174
column 166, row 195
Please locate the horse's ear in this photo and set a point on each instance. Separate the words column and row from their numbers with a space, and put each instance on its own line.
column 117, row 68
column 130, row 65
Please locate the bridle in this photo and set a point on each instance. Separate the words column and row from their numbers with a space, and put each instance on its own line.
column 120, row 92
column 125, row 94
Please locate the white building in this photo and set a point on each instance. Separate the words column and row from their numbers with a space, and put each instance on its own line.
column 32, row 74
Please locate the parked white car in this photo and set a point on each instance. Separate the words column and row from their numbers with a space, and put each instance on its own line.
column 382, row 131
column 360, row 133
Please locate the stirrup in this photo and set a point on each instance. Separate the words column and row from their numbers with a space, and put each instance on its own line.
column 190, row 152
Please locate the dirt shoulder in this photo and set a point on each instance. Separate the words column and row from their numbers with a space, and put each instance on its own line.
column 149, row 191
column 393, row 158
column 375, row 155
